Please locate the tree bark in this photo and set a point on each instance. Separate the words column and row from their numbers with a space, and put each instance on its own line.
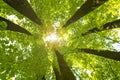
column 107, row 26
column 104, row 53
column 57, row 74
column 14, row 27
column 86, row 8
column 23, row 7
column 66, row 73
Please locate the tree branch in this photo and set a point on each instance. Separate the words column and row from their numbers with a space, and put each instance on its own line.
column 104, row 53
column 23, row 7
column 86, row 8
column 14, row 27
column 107, row 26
column 116, row 41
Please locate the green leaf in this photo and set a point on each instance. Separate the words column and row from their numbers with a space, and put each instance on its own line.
column 3, row 25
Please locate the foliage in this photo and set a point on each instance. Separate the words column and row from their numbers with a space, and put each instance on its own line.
column 24, row 57
column 3, row 25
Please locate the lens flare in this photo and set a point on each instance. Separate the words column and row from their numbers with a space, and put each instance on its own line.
column 52, row 38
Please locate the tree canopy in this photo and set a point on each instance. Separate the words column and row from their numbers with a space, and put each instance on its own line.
column 59, row 39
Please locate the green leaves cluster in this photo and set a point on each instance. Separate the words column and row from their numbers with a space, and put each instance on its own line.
column 26, row 58
column 3, row 25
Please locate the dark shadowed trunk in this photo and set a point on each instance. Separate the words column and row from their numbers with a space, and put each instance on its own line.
column 86, row 8
column 14, row 27
column 24, row 8
column 66, row 72
column 104, row 53
column 57, row 74
column 110, row 25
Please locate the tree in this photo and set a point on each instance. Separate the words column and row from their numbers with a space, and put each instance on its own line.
column 59, row 47
column 24, row 8
column 14, row 27
column 110, row 25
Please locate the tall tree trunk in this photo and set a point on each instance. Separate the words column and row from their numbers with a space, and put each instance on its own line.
column 57, row 74
column 66, row 73
column 23, row 7
column 107, row 26
column 86, row 8
column 104, row 53
column 14, row 27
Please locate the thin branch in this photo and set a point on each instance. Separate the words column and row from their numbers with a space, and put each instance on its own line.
column 107, row 26
column 112, row 39
column 23, row 7
column 14, row 27
column 104, row 53
column 86, row 8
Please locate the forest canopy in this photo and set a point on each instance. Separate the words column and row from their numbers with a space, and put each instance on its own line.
column 59, row 39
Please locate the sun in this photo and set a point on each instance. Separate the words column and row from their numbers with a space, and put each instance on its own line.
column 52, row 40
column 53, row 37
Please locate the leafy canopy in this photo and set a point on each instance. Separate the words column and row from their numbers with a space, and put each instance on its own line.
column 24, row 57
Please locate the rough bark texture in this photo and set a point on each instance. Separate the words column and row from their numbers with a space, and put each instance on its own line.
column 14, row 27
column 110, row 25
column 23, row 7
column 86, row 8
column 104, row 53
column 66, row 73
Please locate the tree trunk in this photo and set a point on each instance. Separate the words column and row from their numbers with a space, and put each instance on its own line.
column 14, row 27
column 86, row 8
column 66, row 73
column 110, row 25
column 104, row 53
column 23, row 7
column 57, row 74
